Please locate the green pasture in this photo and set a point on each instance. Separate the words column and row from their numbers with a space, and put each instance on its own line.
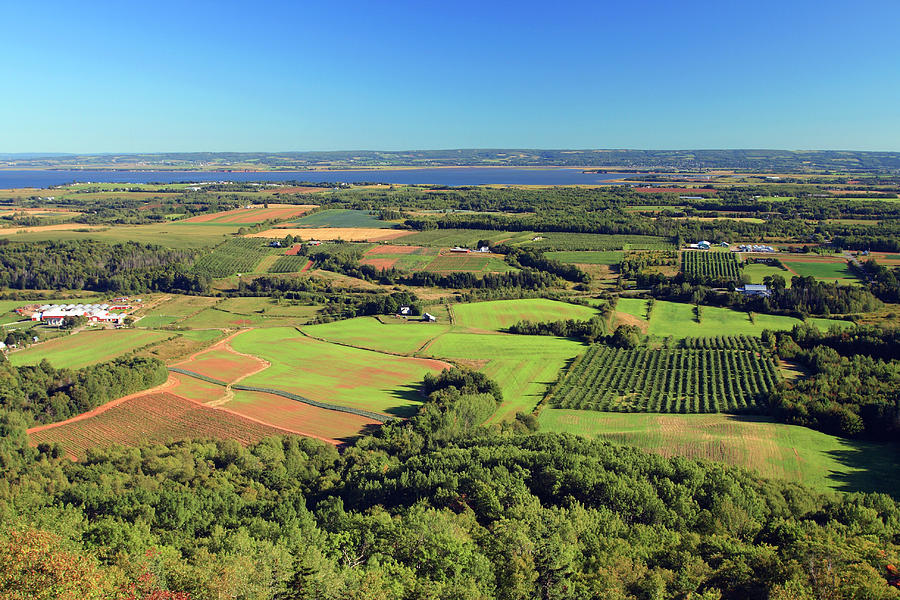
column 86, row 347
column 368, row 332
column 523, row 365
column 587, row 257
column 820, row 270
column 342, row 217
column 500, row 314
column 772, row 449
column 336, row 374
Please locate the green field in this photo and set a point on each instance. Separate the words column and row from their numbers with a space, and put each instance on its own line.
column 342, row 217
column 523, row 365
column 820, row 270
column 757, row 272
column 772, row 449
column 587, row 257
column 86, row 347
column 468, row 263
column 368, row 332
column 677, row 319
column 463, row 237
column 336, row 374
column 178, row 235
column 599, row 241
column 500, row 314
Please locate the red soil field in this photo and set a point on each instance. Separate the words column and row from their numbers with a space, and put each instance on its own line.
column 390, row 249
column 379, row 263
column 676, row 190
column 293, row 250
column 299, row 417
column 154, row 418
column 307, row 266
column 196, row 389
column 223, row 364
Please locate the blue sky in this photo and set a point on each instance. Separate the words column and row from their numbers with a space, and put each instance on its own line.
column 276, row 76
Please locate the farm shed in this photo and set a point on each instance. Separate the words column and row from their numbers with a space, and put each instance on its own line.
column 753, row 289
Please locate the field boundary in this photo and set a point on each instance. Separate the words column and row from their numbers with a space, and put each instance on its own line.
column 290, row 396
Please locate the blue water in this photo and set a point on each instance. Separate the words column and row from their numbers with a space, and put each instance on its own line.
column 448, row 176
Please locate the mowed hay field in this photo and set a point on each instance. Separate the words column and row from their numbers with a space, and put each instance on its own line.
column 347, row 234
column 822, row 269
column 771, row 449
column 500, row 314
column 299, row 417
column 370, row 333
column 151, row 418
column 254, row 214
column 677, row 319
column 343, row 217
column 87, row 347
column 335, row 374
column 177, row 234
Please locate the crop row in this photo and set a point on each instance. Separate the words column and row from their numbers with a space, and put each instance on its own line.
column 288, row 264
column 667, row 380
column 238, row 255
column 710, row 265
column 723, row 342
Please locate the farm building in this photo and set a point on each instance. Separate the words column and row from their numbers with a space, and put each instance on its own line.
column 459, row 250
column 753, row 289
column 704, row 245
column 55, row 314
column 429, row 317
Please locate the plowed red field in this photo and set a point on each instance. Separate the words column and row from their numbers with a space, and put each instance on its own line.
column 379, row 263
column 152, row 418
column 390, row 249
column 299, row 417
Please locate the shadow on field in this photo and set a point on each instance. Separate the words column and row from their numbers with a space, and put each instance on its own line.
column 408, row 394
column 879, row 466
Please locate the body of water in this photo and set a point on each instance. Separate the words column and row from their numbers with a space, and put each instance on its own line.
column 443, row 176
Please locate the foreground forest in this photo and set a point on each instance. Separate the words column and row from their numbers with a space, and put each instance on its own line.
column 436, row 507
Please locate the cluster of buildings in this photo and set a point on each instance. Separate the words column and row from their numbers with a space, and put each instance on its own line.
column 461, row 250
column 755, row 248
column 55, row 314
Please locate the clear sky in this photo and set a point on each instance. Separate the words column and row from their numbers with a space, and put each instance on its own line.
column 275, row 76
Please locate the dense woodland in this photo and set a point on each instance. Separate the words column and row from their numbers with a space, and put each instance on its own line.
column 436, row 507
column 46, row 394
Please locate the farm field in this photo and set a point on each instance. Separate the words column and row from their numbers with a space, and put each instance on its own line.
column 598, row 241
column 788, row 452
column 369, row 332
column 467, row 238
column 713, row 265
column 405, row 258
column 153, row 417
column 255, row 214
column 500, row 314
column 290, row 263
column 87, row 347
column 343, row 217
column 299, row 417
column 347, row 234
column 468, row 263
column 237, row 255
column 179, row 234
column 267, row 307
column 523, row 365
column 220, row 363
column 677, row 319
column 587, row 257
column 821, row 269
column 666, row 380
column 757, row 272
column 335, row 374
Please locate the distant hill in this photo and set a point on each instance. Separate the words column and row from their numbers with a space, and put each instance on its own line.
column 662, row 160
